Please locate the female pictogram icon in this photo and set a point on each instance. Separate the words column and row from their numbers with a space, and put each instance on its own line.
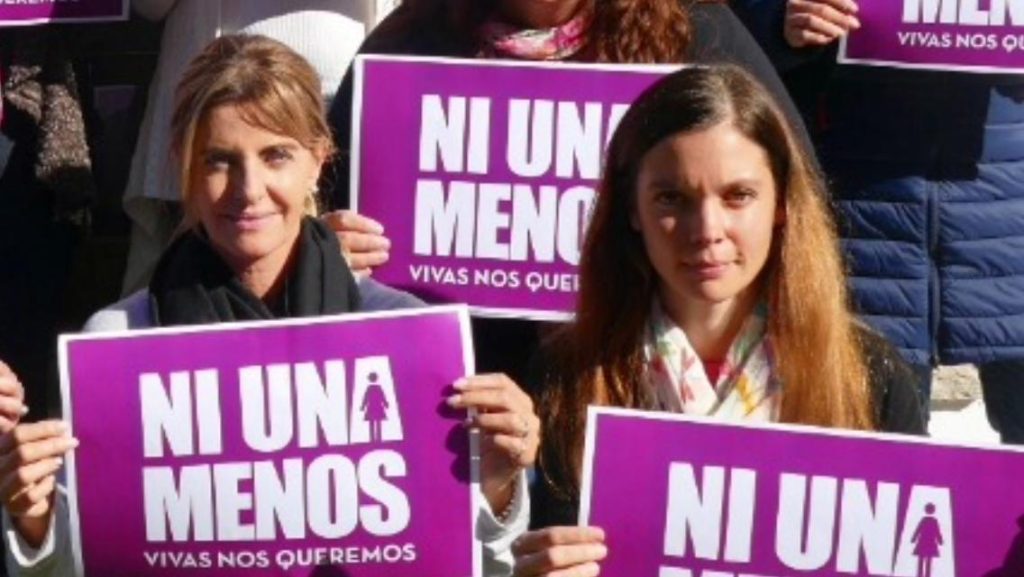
column 927, row 539
column 375, row 406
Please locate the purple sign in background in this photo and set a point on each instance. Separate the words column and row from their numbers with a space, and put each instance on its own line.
column 43, row 11
column 479, row 263
column 102, row 376
column 880, row 505
column 970, row 36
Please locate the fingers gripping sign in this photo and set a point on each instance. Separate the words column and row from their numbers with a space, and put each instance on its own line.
column 560, row 552
column 30, row 456
column 509, row 428
column 362, row 240
column 12, row 399
column 818, row 22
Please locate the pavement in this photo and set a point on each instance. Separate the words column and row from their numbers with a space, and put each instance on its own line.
column 958, row 411
column 966, row 425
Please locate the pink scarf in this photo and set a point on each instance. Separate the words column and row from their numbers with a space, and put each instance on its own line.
column 501, row 40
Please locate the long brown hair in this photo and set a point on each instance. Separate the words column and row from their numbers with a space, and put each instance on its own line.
column 599, row 359
column 632, row 31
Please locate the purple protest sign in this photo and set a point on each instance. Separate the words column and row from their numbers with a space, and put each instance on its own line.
column 963, row 35
column 15, row 13
column 483, row 173
column 707, row 499
column 302, row 448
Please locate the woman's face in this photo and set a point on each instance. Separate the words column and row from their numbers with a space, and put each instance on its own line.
column 249, row 189
column 707, row 208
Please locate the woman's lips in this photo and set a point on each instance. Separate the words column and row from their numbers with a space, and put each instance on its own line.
column 708, row 270
column 249, row 222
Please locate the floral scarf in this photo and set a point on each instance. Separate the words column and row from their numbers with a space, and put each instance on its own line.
column 501, row 40
column 746, row 389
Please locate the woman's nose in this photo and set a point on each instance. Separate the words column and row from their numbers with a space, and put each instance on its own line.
column 707, row 223
column 248, row 184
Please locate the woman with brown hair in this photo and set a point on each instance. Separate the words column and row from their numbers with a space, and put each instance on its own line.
column 710, row 284
column 618, row 31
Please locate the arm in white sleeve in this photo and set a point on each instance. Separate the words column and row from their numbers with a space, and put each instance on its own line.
column 496, row 537
column 53, row 558
column 154, row 9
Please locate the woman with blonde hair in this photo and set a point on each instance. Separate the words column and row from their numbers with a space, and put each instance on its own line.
column 251, row 138
column 710, row 284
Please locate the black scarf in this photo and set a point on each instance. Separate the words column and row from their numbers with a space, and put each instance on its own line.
column 193, row 285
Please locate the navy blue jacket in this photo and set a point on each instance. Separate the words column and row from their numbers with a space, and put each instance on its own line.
column 927, row 173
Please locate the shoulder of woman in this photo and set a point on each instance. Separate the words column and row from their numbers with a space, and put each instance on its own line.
column 399, row 33
column 893, row 385
column 375, row 296
column 132, row 312
column 719, row 37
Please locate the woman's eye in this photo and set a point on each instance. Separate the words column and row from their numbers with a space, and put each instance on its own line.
column 667, row 198
column 740, row 197
column 216, row 162
column 277, row 155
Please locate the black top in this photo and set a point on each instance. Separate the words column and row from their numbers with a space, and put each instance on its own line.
column 718, row 38
column 898, row 410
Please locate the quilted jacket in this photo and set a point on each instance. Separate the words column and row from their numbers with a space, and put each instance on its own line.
column 927, row 175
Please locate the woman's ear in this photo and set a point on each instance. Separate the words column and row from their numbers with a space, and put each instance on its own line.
column 320, row 155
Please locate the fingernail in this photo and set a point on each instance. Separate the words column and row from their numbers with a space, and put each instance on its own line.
column 58, row 461
column 453, row 401
column 461, row 384
column 73, row 443
column 24, row 409
column 601, row 551
column 378, row 227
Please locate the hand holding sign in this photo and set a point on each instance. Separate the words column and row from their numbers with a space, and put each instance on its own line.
column 562, row 551
column 12, row 396
column 362, row 240
column 510, row 428
column 818, row 22
column 30, row 456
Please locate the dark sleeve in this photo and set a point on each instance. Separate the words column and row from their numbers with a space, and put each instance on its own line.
column 388, row 37
column 720, row 38
column 765, row 20
column 893, row 386
column 335, row 184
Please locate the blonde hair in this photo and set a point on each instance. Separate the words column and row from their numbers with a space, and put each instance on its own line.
column 598, row 359
column 274, row 88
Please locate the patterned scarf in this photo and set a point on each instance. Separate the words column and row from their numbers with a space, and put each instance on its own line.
column 501, row 40
column 746, row 389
